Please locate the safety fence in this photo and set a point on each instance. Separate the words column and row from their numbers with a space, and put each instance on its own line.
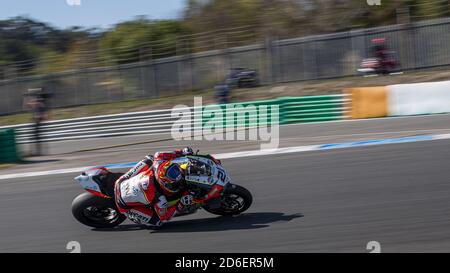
column 418, row 45
column 8, row 148
column 282, row 110
column 400, row 100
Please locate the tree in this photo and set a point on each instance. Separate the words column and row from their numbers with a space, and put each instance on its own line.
column 24, row 41
column 140, row 39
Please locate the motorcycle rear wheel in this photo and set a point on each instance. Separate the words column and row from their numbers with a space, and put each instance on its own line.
column 236, row 200
column 96, row 212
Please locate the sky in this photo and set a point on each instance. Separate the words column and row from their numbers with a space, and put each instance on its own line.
column 90, row 13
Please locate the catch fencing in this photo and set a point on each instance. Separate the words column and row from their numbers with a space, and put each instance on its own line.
column 418, row 45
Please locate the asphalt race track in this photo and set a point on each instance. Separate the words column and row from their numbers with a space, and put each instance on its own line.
column 321, row 201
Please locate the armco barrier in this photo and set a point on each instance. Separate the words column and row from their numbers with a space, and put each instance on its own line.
column 243, row 114
column 8, row 147
column 313, row 108
column 291, row 110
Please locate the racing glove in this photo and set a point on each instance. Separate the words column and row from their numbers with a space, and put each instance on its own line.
column 212, row 194
column 163, row 210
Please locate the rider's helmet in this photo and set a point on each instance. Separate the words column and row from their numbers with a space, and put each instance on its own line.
column 187, row 151
column 169, row 176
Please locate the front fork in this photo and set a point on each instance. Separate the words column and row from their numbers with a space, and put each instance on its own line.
column 217, row 202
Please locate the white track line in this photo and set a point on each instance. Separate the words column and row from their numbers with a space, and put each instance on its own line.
column 43, row 173
column 284, row 150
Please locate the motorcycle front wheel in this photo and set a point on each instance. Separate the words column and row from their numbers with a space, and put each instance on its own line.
column 97, row 212
column 235, row 200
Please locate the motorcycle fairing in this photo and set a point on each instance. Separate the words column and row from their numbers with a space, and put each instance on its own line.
column 88, row 181
column 214, row 173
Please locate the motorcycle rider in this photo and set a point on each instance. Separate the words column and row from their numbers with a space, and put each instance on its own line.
column 153, row 190
column 380, row 51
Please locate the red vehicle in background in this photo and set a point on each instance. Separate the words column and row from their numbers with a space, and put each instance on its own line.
column 382, row 60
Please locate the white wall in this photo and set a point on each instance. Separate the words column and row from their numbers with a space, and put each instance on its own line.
column 419, row 98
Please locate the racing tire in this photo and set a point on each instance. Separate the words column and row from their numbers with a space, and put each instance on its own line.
column 232, row 194
column 96, row 212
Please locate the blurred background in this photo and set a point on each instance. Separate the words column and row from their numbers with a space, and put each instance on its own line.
column 202, row 40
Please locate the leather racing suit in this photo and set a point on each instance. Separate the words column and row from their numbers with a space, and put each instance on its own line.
column 143, row 200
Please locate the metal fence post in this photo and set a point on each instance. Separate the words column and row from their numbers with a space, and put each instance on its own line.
column 154, row 78
column 179, row 68
column 191, row 71
column 359, row 48
column 268, row 46
column 412, row 38
column 275, row 60
column 354, row 64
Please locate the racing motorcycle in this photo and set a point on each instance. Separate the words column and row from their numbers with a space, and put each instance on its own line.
column 96, row 207
column 374, row 66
